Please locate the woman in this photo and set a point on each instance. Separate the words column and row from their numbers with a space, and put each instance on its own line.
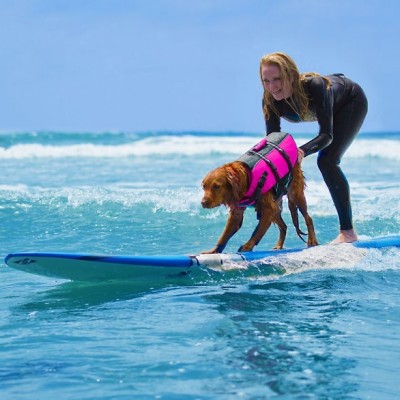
column 338, row 104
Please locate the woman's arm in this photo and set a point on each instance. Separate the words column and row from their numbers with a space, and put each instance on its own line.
column 322, row 98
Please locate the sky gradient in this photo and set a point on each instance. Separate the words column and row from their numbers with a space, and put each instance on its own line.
column 184, row 65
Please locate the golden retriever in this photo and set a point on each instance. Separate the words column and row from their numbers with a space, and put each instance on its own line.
column 227, row 185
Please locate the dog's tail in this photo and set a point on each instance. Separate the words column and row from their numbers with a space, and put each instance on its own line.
column 295, row 218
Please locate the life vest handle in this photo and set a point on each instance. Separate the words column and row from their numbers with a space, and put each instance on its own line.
column 284, row 155
column 269, row 162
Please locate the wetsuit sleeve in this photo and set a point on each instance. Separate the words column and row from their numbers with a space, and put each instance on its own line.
column 322, row 99
column 273, row 123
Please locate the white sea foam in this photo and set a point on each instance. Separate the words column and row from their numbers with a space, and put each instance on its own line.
column 185, row 145
column 332, row 257
column 373, row 205
column 320, row 257
column 162, row 145
column 328, row 257
column 386, row 149
column 182, row 200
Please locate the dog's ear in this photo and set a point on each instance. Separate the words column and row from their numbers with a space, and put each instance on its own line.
column 233, row 180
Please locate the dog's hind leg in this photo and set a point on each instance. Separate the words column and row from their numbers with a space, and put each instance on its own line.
column 312, row 239
column 295, row 219
column 297, row 201
column 282, row 231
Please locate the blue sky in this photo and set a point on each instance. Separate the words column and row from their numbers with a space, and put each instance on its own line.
column 184, row 65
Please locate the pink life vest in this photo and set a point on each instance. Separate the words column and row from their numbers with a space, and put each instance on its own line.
column 271, row 162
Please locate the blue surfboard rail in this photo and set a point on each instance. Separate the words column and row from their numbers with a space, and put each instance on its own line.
column 379, row 242
column 376, row 243
column 160, row 261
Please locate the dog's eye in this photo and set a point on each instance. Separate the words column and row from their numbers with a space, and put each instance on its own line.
column 216, row 186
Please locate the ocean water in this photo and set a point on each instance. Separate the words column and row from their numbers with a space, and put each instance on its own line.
column 327, row 327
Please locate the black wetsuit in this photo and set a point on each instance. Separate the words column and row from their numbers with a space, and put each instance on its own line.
column 340, row 112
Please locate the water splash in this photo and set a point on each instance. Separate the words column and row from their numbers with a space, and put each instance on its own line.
column 334, row 257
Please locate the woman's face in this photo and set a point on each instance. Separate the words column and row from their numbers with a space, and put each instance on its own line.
column 273, row 83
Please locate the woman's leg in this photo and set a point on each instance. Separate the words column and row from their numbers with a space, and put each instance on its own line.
column 346, row 125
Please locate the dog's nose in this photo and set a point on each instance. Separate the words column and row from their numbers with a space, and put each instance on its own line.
column 204, row 203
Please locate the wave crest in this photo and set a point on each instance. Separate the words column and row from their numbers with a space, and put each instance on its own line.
column 184, row 145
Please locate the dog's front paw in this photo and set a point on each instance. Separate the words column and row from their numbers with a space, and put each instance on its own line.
column 245, row 247
column 215, row 250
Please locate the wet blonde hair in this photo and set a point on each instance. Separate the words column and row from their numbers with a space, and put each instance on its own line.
column 289, row 71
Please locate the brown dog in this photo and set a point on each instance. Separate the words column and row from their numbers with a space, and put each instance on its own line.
column 228, row 185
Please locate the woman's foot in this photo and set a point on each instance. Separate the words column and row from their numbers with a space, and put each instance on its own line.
column 348, row 236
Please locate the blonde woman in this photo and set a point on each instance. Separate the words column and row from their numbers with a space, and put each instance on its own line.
column 337, row 103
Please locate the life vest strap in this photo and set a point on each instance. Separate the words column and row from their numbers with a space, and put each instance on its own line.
column 284, row 155
column 269, row 162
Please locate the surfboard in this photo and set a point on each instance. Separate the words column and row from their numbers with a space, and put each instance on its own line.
column 149, row 269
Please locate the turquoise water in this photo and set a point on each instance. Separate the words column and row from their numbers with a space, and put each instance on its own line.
column 327, row 328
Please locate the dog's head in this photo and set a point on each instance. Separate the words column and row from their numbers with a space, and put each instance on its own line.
column 224, row 185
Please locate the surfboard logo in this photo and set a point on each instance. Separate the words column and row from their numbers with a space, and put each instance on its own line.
column 25, row 261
